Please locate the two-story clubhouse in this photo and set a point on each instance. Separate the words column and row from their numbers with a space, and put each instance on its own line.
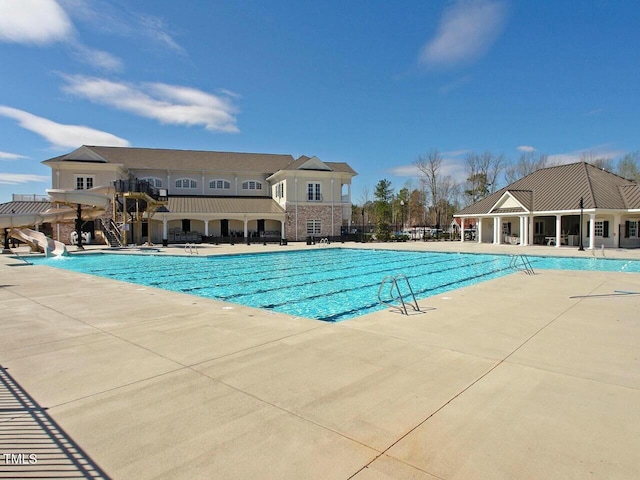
column 211, row 194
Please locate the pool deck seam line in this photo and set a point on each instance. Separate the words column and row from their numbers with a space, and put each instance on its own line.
column 480, row 378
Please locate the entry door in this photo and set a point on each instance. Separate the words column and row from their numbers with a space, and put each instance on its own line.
column 224, row 228
column 260, row 227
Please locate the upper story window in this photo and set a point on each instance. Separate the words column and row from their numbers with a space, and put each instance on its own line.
column 251, row 185
column 84, row 183
column 186, row 183
column 314, row 192
column 279, row 190
column 153, row 181
column 219, row 184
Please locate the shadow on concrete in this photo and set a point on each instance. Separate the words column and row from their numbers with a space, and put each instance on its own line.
column 32, row 444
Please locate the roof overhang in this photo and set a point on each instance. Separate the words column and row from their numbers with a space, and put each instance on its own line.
column 508, row 203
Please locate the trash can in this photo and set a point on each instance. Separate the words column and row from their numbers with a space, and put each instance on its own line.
column 283, row 241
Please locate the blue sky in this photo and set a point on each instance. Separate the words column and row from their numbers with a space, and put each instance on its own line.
column 371, row 83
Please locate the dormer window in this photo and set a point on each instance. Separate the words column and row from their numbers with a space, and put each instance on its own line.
column 251, row 185
column 186, row 183
column 219, row 185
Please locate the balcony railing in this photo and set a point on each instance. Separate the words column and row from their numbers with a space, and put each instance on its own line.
column 134, row 185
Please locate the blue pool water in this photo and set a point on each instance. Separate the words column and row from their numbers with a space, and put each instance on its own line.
column 326, row 284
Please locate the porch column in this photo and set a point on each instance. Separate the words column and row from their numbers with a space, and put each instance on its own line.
column 165, row 233
column 282, row 225
column 592, row 231
column 615, row 230
column 558, row 230
column 497, row 223
column 246, row 224
column 479, row 230
column 462, row 230
column 521, row 232
column 525, row 233
column 206, row 228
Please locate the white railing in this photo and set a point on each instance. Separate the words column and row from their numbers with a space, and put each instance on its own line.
column 190, row 248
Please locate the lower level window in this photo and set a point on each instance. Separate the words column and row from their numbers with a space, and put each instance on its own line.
column 599, row 229
column 633, row 229
column 313, row 227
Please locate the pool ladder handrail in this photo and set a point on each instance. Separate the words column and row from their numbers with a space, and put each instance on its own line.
column 191, row 247
column 324, row 242
column 400, row 298
column 524, row 265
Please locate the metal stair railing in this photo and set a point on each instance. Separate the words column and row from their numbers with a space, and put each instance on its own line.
column 112, row 231
column 396, row 297
column 521, row 263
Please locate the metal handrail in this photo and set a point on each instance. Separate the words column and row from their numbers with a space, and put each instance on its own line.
column 399, row 297
column 524, row 265
column 191, row 247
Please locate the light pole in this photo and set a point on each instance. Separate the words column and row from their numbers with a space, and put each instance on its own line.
column 402, row 215
column 581, row 247
column 362, row 224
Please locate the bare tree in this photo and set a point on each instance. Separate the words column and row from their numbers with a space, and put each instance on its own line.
column 597, row 161
column 629, row 166
column 429, row 166
column 528, row 163
column 483, row 171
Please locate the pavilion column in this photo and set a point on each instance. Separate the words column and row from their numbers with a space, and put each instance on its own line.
column 479, row 230
column 246, row 224
column 165, row 231
column 206, row 228
column 282, row 228
column 615, row 230
column 462, row 230
column 558, row 230
column 498, row 226
column 592, row 231
column 525, row 233
column 521, row 232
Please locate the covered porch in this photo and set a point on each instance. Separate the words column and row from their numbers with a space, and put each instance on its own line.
column 218, row 220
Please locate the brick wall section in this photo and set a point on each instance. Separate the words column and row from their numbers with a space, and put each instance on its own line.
column 313, row 212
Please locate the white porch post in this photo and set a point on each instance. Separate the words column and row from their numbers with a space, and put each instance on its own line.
column 525, row 235
column 616, row 230
column 592, row 231
column 246, row 224
column 479, row 230
column 165, row 234
column 206, row 228
column 498, row 225
column 282, row 225
column 462, row 229
column 558, row 230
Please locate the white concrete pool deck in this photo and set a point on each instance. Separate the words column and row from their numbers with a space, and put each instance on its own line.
column 508, row 379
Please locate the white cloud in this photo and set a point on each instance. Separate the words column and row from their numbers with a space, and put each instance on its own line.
column 10, row 156
column 34, row 22
column 466, row 31
column 587, row 154
column 169, row 104
column 61, row 135
column 526, row 148
column 18, row 178
column 96, row 58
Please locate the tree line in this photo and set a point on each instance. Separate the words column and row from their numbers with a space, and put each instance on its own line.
column 433, row 196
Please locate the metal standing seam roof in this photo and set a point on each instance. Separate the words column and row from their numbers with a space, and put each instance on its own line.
column 560, row 188
column 230, row 205
column 24, row 207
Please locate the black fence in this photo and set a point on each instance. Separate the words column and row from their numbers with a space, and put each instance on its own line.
column 137, row 186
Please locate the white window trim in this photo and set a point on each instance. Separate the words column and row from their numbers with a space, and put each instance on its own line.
column 226, row 184
column 192, row 185
column 314, row 227
column 246, row 185
column 316, row 192
column 154, row 181
column 84, row 181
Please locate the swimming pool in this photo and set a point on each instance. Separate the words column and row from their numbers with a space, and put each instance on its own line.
column 326, row 284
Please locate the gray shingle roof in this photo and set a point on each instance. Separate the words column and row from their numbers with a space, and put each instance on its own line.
column 197, row 160
column 560, row 188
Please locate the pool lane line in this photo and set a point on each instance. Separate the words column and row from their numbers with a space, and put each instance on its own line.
column 307, row 275
column 370, row 285
column 347, row 313
column 344, row 278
